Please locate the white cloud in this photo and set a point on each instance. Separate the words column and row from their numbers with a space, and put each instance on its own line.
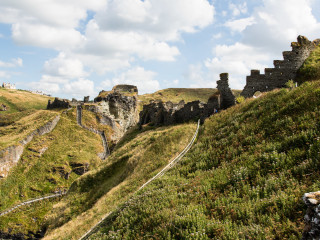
column 137, row 76
column 238, row 9
column 79, row 88
column 240, row 24
column 15, row 62
column 65, row 67
column 198, row 77
column 46, row 87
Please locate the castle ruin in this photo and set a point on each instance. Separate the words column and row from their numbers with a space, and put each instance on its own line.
column 283, row 71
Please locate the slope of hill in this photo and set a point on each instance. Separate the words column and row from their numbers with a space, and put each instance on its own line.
column 244, row 179
column 19, row 103
column 132, row 163
column 49, row 163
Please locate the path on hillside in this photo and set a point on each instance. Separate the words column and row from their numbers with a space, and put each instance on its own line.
column 106, row 152
column 32, row 201
column 161, row 173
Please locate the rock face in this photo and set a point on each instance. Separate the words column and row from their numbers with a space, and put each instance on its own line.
column 58, row 103
column 3, row 107
column 312, row 217
column 283, row 71
column 10, row 156
column 118, row 111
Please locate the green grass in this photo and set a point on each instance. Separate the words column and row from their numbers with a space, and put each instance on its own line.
column 19, row 104
column 37, row 175
column 20, row 129
column 128, row 167
column 310, row 70
column 244, row 179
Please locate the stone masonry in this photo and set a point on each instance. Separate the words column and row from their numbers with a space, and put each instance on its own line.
column 58, row 103
column 283, row 71
column 227, row 98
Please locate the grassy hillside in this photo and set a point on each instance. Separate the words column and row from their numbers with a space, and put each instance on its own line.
column 37, row 173
column 244, row 179
column 136, row 159
column 19, row 104
column 175, row 95
column 310, row 70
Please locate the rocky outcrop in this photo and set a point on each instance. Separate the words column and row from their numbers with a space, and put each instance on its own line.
column 10, row 156
column 58, row 103
column 118, row 111
column 312, row 217
column 283, row 71
column 3, row 107
column 125, row 88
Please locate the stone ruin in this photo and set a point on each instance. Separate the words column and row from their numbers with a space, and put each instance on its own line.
column 283, row 71
column 9, row 85
column 125, row 88
column 58, row 103
column 86, row 99
column 117, row 110
column 227, row 98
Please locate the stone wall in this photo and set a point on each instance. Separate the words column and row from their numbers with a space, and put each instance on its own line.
column 58, row 103
column 283, row 71
column 227, row 98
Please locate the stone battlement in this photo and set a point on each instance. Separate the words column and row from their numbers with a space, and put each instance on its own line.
column 283, row 71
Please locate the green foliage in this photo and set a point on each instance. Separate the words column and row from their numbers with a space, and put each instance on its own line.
column 290, row 84
column 240, row 99
column 244, row 179
column 39, row 174
column 310, row 70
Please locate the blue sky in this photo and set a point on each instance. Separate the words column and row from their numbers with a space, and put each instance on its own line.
column 72, row 48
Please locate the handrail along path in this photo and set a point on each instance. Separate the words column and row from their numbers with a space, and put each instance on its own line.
column 161, row 173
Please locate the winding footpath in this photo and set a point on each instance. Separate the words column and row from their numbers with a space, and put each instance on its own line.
column 106, row 151
column 161, row 173
column 32, row 201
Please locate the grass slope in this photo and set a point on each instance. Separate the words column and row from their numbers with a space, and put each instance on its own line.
column 19, row 104
column 96, row 193
column 244, row 179
column 37, row 175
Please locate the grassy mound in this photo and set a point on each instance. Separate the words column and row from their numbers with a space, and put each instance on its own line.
column 139, row 158
column 48, row 163
column 19, row 104
column 310, row 70
column 244, row 179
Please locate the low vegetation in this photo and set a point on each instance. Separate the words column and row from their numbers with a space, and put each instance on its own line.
column 48, row 164
column 244, row 179
column 19, row 104
column 129, row 166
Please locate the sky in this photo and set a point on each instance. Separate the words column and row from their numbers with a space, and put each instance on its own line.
column 76, row 48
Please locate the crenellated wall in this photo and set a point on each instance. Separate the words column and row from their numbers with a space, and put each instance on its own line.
column 283, row 71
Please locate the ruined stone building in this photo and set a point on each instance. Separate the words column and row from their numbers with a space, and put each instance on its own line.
column 283, row 71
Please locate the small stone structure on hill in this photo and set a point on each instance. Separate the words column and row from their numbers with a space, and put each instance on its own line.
column 283, row 71
column 125, row 88
column 9, row 85
column 58, row 103
column 86, row 99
